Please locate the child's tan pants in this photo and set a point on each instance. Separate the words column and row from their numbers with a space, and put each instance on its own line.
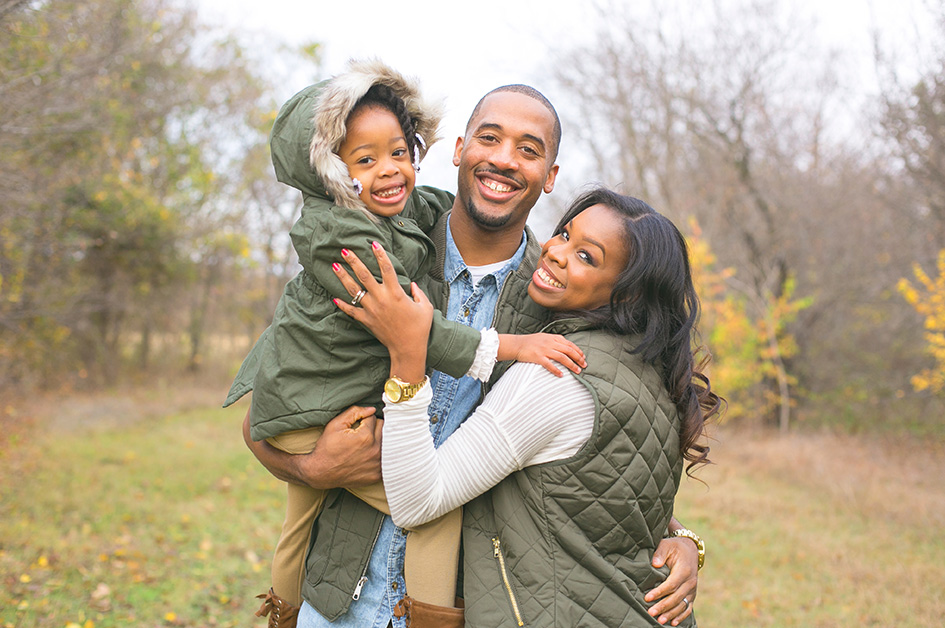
column 432, row 554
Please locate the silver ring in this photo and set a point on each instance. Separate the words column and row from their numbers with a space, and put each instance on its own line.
column 357, row 298
column 686, row 600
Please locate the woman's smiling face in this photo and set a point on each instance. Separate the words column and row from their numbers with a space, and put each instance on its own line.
column 579, row 265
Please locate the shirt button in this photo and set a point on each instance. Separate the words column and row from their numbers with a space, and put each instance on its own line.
column 434, row 419
column 466, row 312
column 401, row 223
column 394, row 586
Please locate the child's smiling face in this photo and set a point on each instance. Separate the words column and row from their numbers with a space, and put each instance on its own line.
column 376, row 154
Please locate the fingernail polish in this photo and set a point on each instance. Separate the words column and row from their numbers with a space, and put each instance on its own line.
column 335, row 266
column 335, row 301
column 345, row 252
column 375, row 245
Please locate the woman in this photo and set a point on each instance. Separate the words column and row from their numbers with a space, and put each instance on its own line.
column 581, row 473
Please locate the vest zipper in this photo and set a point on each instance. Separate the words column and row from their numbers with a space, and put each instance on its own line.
column 363, row 579
column 505, row 579
column 357, row 590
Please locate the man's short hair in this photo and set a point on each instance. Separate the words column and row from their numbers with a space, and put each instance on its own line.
column 531, row 92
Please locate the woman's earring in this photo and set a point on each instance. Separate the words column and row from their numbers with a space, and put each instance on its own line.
column 357, row 186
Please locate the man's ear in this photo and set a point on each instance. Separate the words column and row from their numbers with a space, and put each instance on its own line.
column 550, row 179
column 457, row 151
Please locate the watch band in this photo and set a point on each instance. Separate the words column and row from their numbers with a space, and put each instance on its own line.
column 695, row 538
column 397, row 390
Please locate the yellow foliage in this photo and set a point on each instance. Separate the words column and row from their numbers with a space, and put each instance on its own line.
column 928, row 299
column 745, row 338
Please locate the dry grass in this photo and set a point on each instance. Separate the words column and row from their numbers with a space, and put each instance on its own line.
column 820, row 530
column 120, row 493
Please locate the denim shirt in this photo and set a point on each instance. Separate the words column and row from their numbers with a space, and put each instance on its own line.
column 453, row 401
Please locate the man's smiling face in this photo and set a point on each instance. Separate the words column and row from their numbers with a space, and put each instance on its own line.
column 506, row 160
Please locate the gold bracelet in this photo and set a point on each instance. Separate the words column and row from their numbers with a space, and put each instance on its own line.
column 695, row 538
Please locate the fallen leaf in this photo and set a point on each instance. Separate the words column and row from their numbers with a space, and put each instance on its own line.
column 99, row 599
column 101, row 591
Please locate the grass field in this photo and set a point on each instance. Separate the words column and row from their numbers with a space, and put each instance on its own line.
column 119, row 511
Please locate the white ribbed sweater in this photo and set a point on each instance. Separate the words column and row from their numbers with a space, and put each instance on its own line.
column 529, row 417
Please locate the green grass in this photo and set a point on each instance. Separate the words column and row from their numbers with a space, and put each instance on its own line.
column 170, row 522
column 167, row 522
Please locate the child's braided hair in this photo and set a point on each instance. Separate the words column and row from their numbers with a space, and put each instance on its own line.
column 384, row 96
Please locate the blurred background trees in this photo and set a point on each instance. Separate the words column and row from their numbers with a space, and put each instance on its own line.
column 142, row 231
column 134, row 146
column 737, row 128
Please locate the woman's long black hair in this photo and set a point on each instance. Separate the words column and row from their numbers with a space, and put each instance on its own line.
column 654, row 298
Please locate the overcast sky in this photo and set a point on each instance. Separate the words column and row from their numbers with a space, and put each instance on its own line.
column 461, row 50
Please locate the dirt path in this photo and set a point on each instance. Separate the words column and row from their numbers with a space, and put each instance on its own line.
column 77, row 412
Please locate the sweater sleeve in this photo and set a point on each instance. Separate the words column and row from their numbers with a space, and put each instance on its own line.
column 486, row 354
column 529, row 417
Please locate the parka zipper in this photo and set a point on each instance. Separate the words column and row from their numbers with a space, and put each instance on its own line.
column 505, row 579
column 363, row 579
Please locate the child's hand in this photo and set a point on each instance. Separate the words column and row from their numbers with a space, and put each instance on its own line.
column 543, row 349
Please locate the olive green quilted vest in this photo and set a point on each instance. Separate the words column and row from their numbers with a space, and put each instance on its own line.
column 569, row 543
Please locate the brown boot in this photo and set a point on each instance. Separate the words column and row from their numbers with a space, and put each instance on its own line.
column 423, row 615
column 281, row 613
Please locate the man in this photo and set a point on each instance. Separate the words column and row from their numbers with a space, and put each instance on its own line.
column 486, row 256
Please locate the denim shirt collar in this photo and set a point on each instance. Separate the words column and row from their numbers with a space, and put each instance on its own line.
column 453, row 265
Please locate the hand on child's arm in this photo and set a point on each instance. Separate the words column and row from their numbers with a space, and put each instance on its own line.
column 543, row 349
column 348, row 453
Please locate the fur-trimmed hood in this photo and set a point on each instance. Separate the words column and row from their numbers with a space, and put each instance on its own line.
column 311, row 126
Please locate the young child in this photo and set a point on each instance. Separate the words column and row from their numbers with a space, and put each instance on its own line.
column 352, row 146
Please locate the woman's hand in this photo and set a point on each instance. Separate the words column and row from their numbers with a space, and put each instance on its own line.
column 678, row 592
column 399, row 322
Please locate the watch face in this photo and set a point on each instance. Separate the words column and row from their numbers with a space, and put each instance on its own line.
column 393, row 390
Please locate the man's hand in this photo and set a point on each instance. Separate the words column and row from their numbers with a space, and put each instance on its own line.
column 678, row 592
column 348, row 453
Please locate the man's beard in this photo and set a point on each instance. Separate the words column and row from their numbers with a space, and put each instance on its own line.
column 485, row 220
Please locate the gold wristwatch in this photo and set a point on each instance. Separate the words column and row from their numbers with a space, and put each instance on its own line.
column 398, row 390
column 692, row 536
